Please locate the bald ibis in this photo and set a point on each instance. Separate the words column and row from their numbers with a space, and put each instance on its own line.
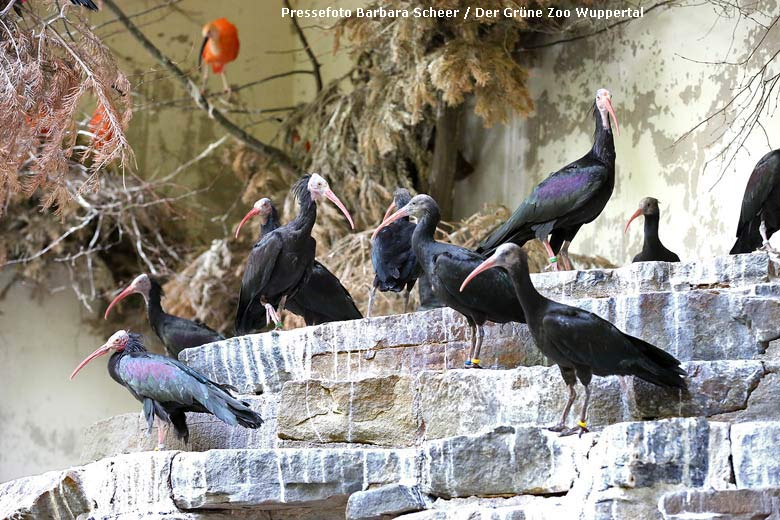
column 281, row 261
column 176, row 333
column 567, row 199
column 322, row 298
column 394, row 261
column 760, row 215
column 579, row 342
column 652, row 248
column 168, row 388
column 446, row 265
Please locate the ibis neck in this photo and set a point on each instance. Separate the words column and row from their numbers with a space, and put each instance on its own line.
column 307, row 215
column 426, row 228
column 530, row 299
column 603, row 141
column 113, row 366
column 270, row 224
column 651, row 230
column 153, row 306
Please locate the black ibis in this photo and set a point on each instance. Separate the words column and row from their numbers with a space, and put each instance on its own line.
column 175, row 333
column 322, row 298
column 168, row 388
column 760, row 215
column 652, row 248
column 89, row 4
column 567, row 199
column 394, row 261
column 281, row 261
column 579, row 342
column 446, row 265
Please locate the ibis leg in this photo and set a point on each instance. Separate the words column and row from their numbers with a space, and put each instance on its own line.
column 371, row 294
column 204, row 77
column 564, row 254
column 473, row 329
column 162, row 431
column 553, row 265
column 282, row 303
column 228, row 90
column 582, row 425
column 571, row 379
column 475, row 354
column 767, row 246
column 406, row 300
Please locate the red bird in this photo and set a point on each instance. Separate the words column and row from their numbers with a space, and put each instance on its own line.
column 220, row 47
column 100, row 128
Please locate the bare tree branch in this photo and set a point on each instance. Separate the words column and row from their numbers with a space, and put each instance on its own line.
column 265, row 150
column 314, row 63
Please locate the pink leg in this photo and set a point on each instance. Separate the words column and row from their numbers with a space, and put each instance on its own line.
column 162, row 431
column 271, row 315
column 553, row 266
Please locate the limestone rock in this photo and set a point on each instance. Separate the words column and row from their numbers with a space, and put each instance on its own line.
column 754, row 447
column 268, row 479
column 370, row 411
column 392, row 499
column 504, row 461
column 57, row 494
column 731, row 504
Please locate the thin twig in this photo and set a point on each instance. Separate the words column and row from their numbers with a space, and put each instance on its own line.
column 314, row 63
column 139, row 13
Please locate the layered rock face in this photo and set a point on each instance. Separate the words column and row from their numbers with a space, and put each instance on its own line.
column 375, row 419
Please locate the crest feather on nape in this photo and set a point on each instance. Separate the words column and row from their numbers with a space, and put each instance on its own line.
column 300, row 189
column 136, row 343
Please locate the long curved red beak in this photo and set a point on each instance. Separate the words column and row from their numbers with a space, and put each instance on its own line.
column 401, row 213
column 635, row 215
column 121, row 296
column 252, row 212
column 335, row 200
column 484, row 266
column 102, row 350
column 390, row 209
column 611, row 111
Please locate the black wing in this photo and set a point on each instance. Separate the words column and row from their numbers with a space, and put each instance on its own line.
column 763, row 181
column 393, row 259
column 257, row 274
column 323, row 299
column 178, row 334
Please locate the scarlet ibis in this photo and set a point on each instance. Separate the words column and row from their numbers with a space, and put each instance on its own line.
column 220, row 47
column 760, row 215
column 567, row 199
column 652, row 248
column 322, row 298
column 168, row 388
column 100, row 128
column 394, row 261
column 175, row 333
column 579, row 342
column 281, row 261
column 446, row 265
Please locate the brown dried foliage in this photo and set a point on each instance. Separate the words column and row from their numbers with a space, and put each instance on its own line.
column 51, row 68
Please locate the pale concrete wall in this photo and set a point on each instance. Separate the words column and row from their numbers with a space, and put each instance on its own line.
column 658, row 95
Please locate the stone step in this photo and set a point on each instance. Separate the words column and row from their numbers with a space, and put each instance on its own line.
column 620, row 472
column 403, row 411
column 698, row 325
column 728, row 504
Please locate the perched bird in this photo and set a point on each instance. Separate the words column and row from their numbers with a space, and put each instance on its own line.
column 176, row 333
column 489, row 299
column 567, row 199
column 89, row 4
column 579, row 342
column 652, row 248
column 220, row 47
column 168, row 388
column 100, row 128
column 322, row 298
column 394, row 261
column 281, row 261
column 760, row 215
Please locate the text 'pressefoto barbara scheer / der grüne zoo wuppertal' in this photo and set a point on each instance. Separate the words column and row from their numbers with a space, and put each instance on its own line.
column 468, row 12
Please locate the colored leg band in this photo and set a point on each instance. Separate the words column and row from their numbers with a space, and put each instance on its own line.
column 475, row 361
column 553, row 259
column 582, row 424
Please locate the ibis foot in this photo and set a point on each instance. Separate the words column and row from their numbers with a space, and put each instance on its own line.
column 579, row 429
column 471, row 363
column 557, row 428
column 551, row 267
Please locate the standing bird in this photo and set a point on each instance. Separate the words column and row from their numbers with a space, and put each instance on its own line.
column 220, row 47
column 579, row 342
column 567, row 199
column 652, row 248
column 176, row 333
column 168, row 388
column 281, row 261
column 446, row 265
column 760, row 215
column 394, row 261
column 322, row 298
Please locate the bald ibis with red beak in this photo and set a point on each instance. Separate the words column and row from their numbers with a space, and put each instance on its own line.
column 322, row 299
column 652, row 248
column 176, row 333
column 488, row 299
column 168, row 388
column 760, row 214
column 281, row 261
column 395, row 264
column 581, row 343
column 567, row 199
